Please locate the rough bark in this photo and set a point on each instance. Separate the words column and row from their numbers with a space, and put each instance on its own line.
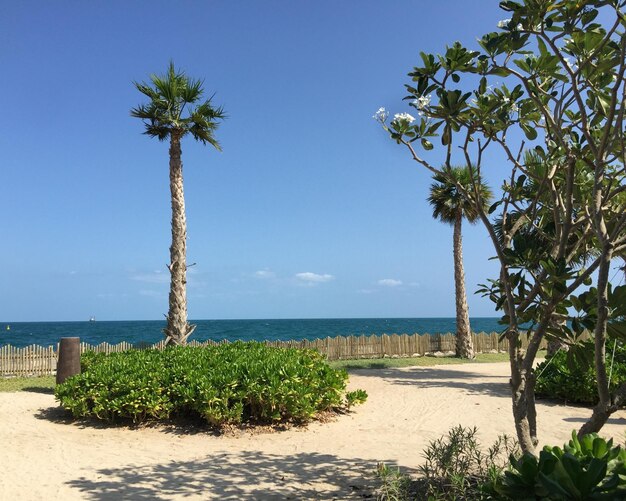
column 523, row 395
column 178, row 329
column 464, row 344
column 605, row 407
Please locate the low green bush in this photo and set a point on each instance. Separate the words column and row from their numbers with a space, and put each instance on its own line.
column 225, row 384
column 589, row 468
column 457, row 468
column 573, row 379
column 394, row 485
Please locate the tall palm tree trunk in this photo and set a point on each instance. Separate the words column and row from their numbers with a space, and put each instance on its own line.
column 177, row 330
column 464, row 345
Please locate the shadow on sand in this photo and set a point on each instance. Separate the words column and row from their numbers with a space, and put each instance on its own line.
column 244, row 475
column 178, row 426
column 438, row 377
column 39, row 389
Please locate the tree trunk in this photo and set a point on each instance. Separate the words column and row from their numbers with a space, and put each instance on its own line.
column 464, row 345
column 177, row 330
column 523, row 394
column 605, row 407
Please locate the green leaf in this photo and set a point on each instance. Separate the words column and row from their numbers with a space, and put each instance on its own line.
column 446, row 136
column 530, row 132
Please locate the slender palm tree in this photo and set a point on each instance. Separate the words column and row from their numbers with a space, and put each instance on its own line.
column 175, row 110
column 451, row 206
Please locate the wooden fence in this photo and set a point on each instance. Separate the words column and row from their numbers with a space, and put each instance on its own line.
column 41, row 361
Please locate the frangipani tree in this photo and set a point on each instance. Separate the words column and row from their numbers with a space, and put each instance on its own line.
column 172, row 113
column 551, row 80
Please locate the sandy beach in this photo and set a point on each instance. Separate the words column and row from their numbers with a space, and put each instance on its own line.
column 45, row 456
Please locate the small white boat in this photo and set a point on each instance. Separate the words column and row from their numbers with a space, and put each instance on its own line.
column 92, row 318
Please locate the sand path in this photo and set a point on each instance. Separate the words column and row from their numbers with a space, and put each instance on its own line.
column 45, row 457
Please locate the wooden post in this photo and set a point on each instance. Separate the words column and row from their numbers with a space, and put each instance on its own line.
column 69, row 358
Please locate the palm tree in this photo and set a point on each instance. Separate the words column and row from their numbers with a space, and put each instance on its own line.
column 451, row 206
column 173, row 112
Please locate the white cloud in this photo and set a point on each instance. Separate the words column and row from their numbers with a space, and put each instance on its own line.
column 151, row 293
column 314, row 278
column 264, row 274
column 366, row 291
column 390, row 282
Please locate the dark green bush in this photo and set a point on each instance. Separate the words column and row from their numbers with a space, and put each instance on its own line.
column 568, row 378
column 225, row 384
column 589, row 468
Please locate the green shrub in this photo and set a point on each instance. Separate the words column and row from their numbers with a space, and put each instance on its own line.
column 225, row 384
column 590, row 468
column 456, row 467
column 394, row 486
column 569, row 378
column 89, row 358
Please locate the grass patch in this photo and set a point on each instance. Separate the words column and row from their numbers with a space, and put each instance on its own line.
column 42, row 384
column 388, row 363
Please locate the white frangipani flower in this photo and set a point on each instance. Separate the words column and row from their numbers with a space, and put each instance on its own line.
column 421, row 102
column 505, row 24
column 403, row 117
column 381, row 115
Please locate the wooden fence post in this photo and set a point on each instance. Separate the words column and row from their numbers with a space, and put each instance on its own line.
column 69, row 358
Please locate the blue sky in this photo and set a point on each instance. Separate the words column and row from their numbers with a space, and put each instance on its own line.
column 309, row 211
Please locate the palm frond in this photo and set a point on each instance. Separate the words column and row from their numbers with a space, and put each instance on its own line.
column 158, row 131
column 192, row 91
column 447, row 200
column 169, row 96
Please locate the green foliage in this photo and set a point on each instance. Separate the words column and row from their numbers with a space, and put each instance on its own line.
column 586, row 307
column 355, row 397
column 544, row 88
column 170, row 96
column 88, row 358
column 225, row 384
column 394, row 484
column 571, row 376
column 448, row 202
column 589, row 468
column 457, row 468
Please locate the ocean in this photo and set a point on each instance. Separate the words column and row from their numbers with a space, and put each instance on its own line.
column 46, row 333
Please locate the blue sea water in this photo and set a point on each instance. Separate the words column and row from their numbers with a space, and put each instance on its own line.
column 47, row 333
